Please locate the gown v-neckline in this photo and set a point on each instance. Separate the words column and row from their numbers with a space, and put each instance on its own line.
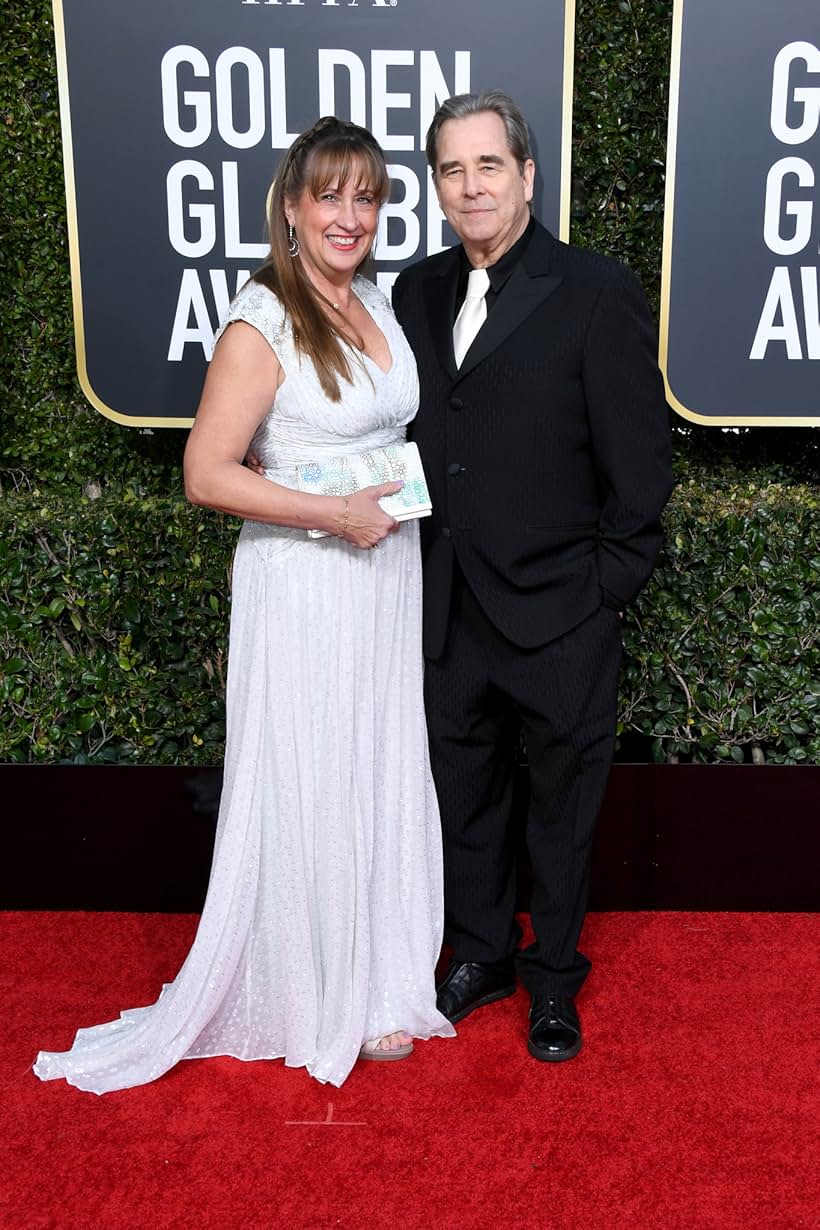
column 381, row 370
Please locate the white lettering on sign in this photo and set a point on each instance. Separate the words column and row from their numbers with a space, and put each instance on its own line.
column 784, row 93
column 252, row 90
column 329, row 61
column 802, row 211
column 240, row 84
column 236, row 248
column 779, row 318
column 402, row 211
column 788, row 217
column 197, row 101
column 191, row 299
column 179, row 212
column 239, row 99
column 383, row 100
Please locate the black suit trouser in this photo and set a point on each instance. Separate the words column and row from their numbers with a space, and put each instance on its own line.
column 480, row 696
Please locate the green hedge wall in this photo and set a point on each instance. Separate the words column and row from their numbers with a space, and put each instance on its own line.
column 113, row 592
column 113, row 620
column 113, row 627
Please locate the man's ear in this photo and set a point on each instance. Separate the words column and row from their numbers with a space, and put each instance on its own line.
column 528, row 175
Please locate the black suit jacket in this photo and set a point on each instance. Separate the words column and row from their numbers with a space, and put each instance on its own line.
column 548, row 452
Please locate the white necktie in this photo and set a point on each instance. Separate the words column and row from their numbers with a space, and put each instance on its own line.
column 472, row 315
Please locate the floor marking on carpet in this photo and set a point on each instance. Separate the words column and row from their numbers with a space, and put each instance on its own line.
column 17, row 1078
column 328, row 1119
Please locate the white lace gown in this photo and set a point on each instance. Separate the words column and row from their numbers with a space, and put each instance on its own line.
column 324, row 916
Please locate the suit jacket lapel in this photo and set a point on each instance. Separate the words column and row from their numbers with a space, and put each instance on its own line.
column 530, row 283
column 440, row 296
column 520, row 297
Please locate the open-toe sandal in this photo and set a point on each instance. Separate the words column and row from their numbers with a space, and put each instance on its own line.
column 374, row 1050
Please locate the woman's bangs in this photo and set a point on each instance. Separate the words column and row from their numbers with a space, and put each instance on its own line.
column 336, row 166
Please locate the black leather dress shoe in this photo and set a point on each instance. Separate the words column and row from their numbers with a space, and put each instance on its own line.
column 468, row 985
column 555, row 1031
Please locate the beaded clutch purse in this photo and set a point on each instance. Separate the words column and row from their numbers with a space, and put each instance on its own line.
column 350, row 473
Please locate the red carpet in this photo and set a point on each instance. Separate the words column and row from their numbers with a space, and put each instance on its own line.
column 690, row 1106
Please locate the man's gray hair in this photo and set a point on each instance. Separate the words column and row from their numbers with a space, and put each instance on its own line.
column 461, row 105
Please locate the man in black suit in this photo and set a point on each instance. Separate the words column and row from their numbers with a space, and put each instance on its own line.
column 544, row 432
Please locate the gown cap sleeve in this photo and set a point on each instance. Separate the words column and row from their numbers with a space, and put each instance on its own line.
column 259, row 307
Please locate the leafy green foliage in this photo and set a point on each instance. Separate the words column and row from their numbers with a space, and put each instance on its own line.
column 622, row 52
column 113, row 630
column 723, row 648
column 52, row 439
column 113, row 623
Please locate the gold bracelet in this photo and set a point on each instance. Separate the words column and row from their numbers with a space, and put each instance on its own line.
column 343, row 533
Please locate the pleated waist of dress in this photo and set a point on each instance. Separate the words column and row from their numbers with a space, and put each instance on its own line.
column 280, row 458
column 265, row 535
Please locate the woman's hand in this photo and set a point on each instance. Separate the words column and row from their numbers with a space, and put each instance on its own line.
column 368, row 523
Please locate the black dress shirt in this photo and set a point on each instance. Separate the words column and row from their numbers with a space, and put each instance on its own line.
column 498, row 273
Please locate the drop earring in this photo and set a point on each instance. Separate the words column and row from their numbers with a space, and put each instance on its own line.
column 293, row 242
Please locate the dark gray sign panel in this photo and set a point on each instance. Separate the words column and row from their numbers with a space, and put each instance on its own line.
column 740, row 330
column 174, row 118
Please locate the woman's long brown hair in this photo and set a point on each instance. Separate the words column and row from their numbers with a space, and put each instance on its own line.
column 330, row 153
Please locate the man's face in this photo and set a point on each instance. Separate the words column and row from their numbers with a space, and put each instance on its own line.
column 481, row 190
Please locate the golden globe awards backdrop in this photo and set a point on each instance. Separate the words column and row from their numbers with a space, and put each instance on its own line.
column 175, row 115
column 740, row 327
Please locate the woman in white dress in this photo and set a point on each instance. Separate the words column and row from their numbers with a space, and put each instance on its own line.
column 323, row 919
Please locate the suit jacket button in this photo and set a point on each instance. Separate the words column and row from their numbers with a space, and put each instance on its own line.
column 445, row 533
column 454, row 468
column 456, row 403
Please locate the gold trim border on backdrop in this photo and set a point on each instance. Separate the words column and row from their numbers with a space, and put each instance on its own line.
column 127, row 420
column 130, row 420
column 565, row 199
column 708, row 420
